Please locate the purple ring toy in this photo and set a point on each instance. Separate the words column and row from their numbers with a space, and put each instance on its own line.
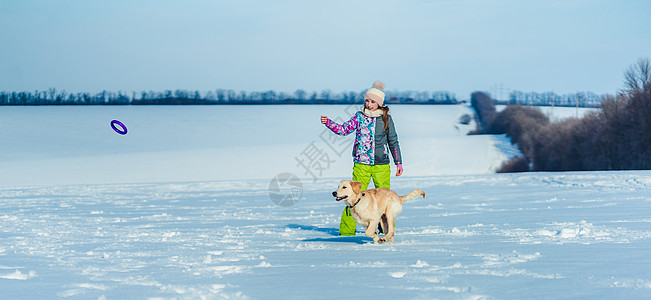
column 124, row 128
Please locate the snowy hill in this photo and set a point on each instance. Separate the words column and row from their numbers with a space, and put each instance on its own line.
column 82, row 215
column 558, row 113
column 76, row 145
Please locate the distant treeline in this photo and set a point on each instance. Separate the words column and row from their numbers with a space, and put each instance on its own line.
column 219, row 96
column 616, row 137
column 580, row 99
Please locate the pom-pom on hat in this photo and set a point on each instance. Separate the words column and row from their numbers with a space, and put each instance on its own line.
column 376, row 93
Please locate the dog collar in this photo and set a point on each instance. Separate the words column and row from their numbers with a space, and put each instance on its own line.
column 355, row 203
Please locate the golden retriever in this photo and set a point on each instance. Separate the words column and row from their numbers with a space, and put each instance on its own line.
column 373, row 206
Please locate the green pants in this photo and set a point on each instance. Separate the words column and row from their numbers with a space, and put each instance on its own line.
column 381, row 175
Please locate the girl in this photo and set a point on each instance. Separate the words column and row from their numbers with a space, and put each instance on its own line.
column 375, row 141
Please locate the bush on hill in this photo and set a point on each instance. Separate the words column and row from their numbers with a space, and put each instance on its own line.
column 485, row 109
column 516, row 164
column 617, row 137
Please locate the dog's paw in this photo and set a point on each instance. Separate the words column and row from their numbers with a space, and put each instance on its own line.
column 383, row 240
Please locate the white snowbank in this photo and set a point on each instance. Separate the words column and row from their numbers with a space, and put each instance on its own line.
column 477, row 235
column 76, row 145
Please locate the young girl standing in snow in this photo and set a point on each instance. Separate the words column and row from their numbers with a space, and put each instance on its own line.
column 375, row 141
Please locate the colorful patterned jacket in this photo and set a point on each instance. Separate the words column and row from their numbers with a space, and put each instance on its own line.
column 373, row 145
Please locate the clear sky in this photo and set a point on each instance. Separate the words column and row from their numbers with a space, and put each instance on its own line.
column 460, row 46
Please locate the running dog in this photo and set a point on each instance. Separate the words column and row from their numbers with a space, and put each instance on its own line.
column 373, row 206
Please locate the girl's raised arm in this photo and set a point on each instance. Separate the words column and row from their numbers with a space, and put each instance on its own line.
column 343, row 129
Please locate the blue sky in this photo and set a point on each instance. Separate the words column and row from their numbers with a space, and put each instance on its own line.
column 461, row 46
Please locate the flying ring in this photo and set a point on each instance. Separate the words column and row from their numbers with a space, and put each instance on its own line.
column 124, row 128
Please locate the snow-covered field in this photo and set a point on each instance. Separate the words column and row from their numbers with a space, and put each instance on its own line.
column 558, row 113
column 180, row 207
column 69, row 145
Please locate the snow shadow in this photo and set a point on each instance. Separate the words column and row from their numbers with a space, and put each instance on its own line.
column 330, row 231
column 358, row 239
column 503, row 143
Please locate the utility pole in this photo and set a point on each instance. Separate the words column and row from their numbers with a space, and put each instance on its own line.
column 577, row 105
column 497, row 91
column 551, row 114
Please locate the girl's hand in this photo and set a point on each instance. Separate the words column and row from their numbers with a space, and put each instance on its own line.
column 324, row 119
column 400, row 170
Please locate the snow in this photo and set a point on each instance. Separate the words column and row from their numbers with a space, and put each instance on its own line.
column 76, row 145
column 558, row 113
column 82, row 216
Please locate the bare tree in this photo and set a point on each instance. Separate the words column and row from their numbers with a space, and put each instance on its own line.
column 325, row 94
column 52, row 92
column 638, row 76
column 300, row 94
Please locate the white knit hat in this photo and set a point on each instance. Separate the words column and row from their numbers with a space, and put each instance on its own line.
column 376, row 93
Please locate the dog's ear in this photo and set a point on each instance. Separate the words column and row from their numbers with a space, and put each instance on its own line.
column 357, row 187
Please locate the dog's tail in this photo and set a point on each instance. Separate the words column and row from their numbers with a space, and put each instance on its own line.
column 415, row 193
